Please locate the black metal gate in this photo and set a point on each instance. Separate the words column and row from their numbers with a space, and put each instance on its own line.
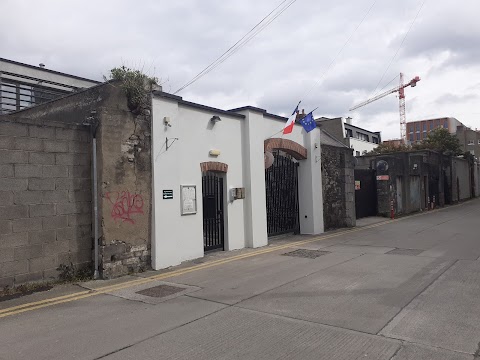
column 365, row 193
column 281, row 184
column 213, row 232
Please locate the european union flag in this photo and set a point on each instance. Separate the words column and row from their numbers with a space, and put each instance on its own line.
column 308, row 122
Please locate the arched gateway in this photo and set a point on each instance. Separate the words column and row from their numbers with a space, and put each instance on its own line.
column 281, row 185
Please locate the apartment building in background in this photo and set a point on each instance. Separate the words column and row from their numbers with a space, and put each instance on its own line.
column 469, row 138
column 360, row 140
column 418, row 130
column 23, row 85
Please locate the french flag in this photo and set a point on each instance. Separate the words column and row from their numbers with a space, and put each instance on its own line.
column 288, row 128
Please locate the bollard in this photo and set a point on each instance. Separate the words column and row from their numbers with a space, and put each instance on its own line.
column 392, row 211
column 433, row 202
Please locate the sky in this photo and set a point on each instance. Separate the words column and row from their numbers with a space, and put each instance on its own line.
column 317, row 51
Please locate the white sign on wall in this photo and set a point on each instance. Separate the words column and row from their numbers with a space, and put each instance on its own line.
column 188, row 196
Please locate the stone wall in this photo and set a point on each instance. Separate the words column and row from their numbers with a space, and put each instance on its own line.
column 45, row 199
column 125, row 158
column 338, row 187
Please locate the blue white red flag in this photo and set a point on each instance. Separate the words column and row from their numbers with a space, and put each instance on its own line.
column 287, row 129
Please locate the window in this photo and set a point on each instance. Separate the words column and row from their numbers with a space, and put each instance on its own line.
column 424, row 126
column 445, row 124
column 411, row 137
column 430, row 125
column 348, row 133
column 418, row 128
column 374, row 140
column 410, row 129
column 357, row 153
column 362, row 136
column 471, row 142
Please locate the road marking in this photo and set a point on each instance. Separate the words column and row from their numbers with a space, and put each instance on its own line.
column 88, row 293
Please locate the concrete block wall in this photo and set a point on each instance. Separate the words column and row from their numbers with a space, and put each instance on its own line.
column 45, row 200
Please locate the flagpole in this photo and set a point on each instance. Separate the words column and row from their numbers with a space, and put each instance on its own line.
column 296, row 107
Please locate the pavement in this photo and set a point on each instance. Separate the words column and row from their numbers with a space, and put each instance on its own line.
column 406, row 289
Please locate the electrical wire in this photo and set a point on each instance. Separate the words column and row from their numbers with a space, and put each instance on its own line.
column 259, row 27
column 336, row 56
column 379, row 91
column 400, row 46
column 340, row 51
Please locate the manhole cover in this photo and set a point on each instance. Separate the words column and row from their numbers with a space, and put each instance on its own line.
column 160, row 291
column 411, row 252
column 308, row 254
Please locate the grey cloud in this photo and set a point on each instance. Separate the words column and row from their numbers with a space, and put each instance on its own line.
column 175, row 40
column 454, row 98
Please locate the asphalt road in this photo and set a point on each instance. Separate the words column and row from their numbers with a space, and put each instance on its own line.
column 403, row 290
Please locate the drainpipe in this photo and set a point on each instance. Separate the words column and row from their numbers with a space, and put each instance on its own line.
column 95, row 204
column 93, row 123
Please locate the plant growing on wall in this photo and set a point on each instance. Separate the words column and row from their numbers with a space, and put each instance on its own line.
column 136, row 86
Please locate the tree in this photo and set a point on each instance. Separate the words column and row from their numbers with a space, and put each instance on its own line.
column 386, row 148
column 438, row 139
column 442, row 141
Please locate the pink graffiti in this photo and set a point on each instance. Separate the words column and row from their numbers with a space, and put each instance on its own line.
column 125, row 205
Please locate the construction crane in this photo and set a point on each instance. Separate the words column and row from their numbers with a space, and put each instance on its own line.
column 401, row 90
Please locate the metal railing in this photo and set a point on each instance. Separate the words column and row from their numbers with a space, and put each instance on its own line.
column 18, row 91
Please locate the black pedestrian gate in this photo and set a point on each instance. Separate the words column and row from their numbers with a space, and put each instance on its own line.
column 213, row 231
column 365, row 193
column 281, row 185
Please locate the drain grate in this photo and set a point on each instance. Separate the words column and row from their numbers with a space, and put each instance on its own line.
column 308, row 254
column 160, row 291
column 410, row 252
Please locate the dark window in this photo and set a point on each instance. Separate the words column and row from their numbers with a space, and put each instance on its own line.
column 374, row 139
column 411, row 137
column 424, row 127
column 348, row 133
column 357, row 153
column 362, row 136
column 418, row 127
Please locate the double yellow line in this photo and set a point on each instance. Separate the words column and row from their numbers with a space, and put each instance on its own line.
column 106, row 289
column 102, row 290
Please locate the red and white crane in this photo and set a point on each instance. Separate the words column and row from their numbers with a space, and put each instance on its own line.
column 401, row 91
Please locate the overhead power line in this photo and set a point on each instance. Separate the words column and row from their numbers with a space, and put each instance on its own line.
column 340, row 51
column 399, row 47
column 259, row 27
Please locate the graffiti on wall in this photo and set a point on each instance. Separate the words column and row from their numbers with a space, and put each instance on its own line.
column 124, row 205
